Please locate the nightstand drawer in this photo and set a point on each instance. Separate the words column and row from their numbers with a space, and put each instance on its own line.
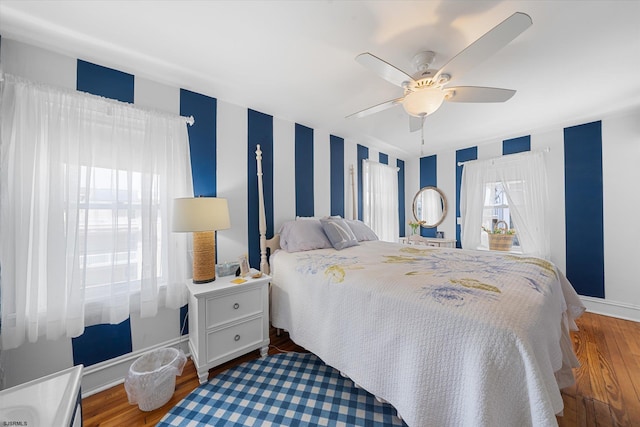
column 232, row 307
column 233, row 338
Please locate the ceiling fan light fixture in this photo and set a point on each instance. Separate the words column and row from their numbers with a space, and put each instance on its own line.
column 425, row 91
column 423, row 102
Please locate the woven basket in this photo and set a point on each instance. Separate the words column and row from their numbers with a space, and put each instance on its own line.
column 152, row 378
column 159, row 395
column 500, row 242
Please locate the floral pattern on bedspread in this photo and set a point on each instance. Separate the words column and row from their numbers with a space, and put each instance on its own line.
column 454, row 296
column 448, row 276
column 333, row 266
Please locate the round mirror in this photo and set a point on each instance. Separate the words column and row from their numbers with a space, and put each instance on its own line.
column 429, row 207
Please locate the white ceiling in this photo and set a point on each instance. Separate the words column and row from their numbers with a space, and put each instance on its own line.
column 295, row 59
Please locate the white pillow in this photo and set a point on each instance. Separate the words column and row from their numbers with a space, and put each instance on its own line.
column 296, row 236
column 339, row 233
column 361, row 230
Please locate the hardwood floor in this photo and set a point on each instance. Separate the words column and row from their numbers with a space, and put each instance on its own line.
column 607, row 389
column 606, row 393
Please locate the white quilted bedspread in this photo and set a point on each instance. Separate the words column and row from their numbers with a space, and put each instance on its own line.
column 449, row 337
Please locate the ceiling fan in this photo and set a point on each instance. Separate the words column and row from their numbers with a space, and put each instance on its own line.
column 425, row 91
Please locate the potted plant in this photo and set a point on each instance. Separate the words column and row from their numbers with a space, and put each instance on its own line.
column 414, row 226
column 500, row 238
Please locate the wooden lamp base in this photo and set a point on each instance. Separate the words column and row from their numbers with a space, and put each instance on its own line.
column 204, row 257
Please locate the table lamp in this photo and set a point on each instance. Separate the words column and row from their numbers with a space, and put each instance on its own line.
column 202, row 216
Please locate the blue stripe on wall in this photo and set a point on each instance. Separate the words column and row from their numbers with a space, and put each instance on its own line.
column 383, row 158
column 184, row 322
column 102, row 342
column 304, row 170
column 202, row 146
column 363, row 154
column 103, row 81
column 463, row 155
column 516, row 145
column 202, row 140
column 336, row 153
column 428, row 178
column 401, row 199
column 260, row 131
column 584, row 208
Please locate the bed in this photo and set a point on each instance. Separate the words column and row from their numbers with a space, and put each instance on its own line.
column 447, row 336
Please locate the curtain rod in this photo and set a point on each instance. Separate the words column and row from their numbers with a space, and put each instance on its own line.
column 107, row 102
column 544, row 150
column 383, row 164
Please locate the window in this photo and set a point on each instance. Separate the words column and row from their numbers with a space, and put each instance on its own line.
column 111, row 227
column 511, row 188
column 496, row 208
column 380, row 199
column 88, row 189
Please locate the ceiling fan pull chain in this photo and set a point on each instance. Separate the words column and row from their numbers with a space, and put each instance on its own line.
column 422, row 136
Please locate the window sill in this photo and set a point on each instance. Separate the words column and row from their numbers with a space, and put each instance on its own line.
column 95, row 308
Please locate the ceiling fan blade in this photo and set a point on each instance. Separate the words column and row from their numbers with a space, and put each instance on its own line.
column 477, row 94
column 487, row 45
column 375, row 108
column 384, row 69
column 415, row 123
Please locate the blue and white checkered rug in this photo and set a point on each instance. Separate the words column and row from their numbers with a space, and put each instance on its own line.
column 284, row 389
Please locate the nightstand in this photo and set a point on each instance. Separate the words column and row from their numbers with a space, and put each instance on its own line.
column 227, row 320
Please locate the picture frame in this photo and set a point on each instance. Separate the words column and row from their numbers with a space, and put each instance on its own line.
column 244, row 266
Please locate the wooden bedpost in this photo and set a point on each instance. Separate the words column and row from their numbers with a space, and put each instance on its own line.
column 262, row 225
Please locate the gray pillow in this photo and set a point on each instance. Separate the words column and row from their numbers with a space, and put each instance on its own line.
column 361, row 230
column 339, row 233
column 296, row 236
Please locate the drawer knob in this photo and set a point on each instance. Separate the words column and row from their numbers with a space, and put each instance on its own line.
column 236, row 338
column 236, row 306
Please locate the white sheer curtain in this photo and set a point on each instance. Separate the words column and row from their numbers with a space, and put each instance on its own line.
column 380, row 199
column 87, row 186
column 524, row 179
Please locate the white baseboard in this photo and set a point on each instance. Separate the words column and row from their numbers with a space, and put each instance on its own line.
column 112, row 372
column 612, row 308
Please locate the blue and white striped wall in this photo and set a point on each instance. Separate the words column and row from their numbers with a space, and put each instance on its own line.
column 305, row 173
column 593, row 175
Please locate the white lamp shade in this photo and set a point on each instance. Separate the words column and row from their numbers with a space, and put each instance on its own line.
column 200, row 214
column 423, row 102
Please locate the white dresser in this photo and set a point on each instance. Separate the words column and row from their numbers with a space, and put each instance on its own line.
column 429, row 241
column 227, row 320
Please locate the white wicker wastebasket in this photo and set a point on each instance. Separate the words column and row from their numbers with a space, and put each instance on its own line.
column 151, row 380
